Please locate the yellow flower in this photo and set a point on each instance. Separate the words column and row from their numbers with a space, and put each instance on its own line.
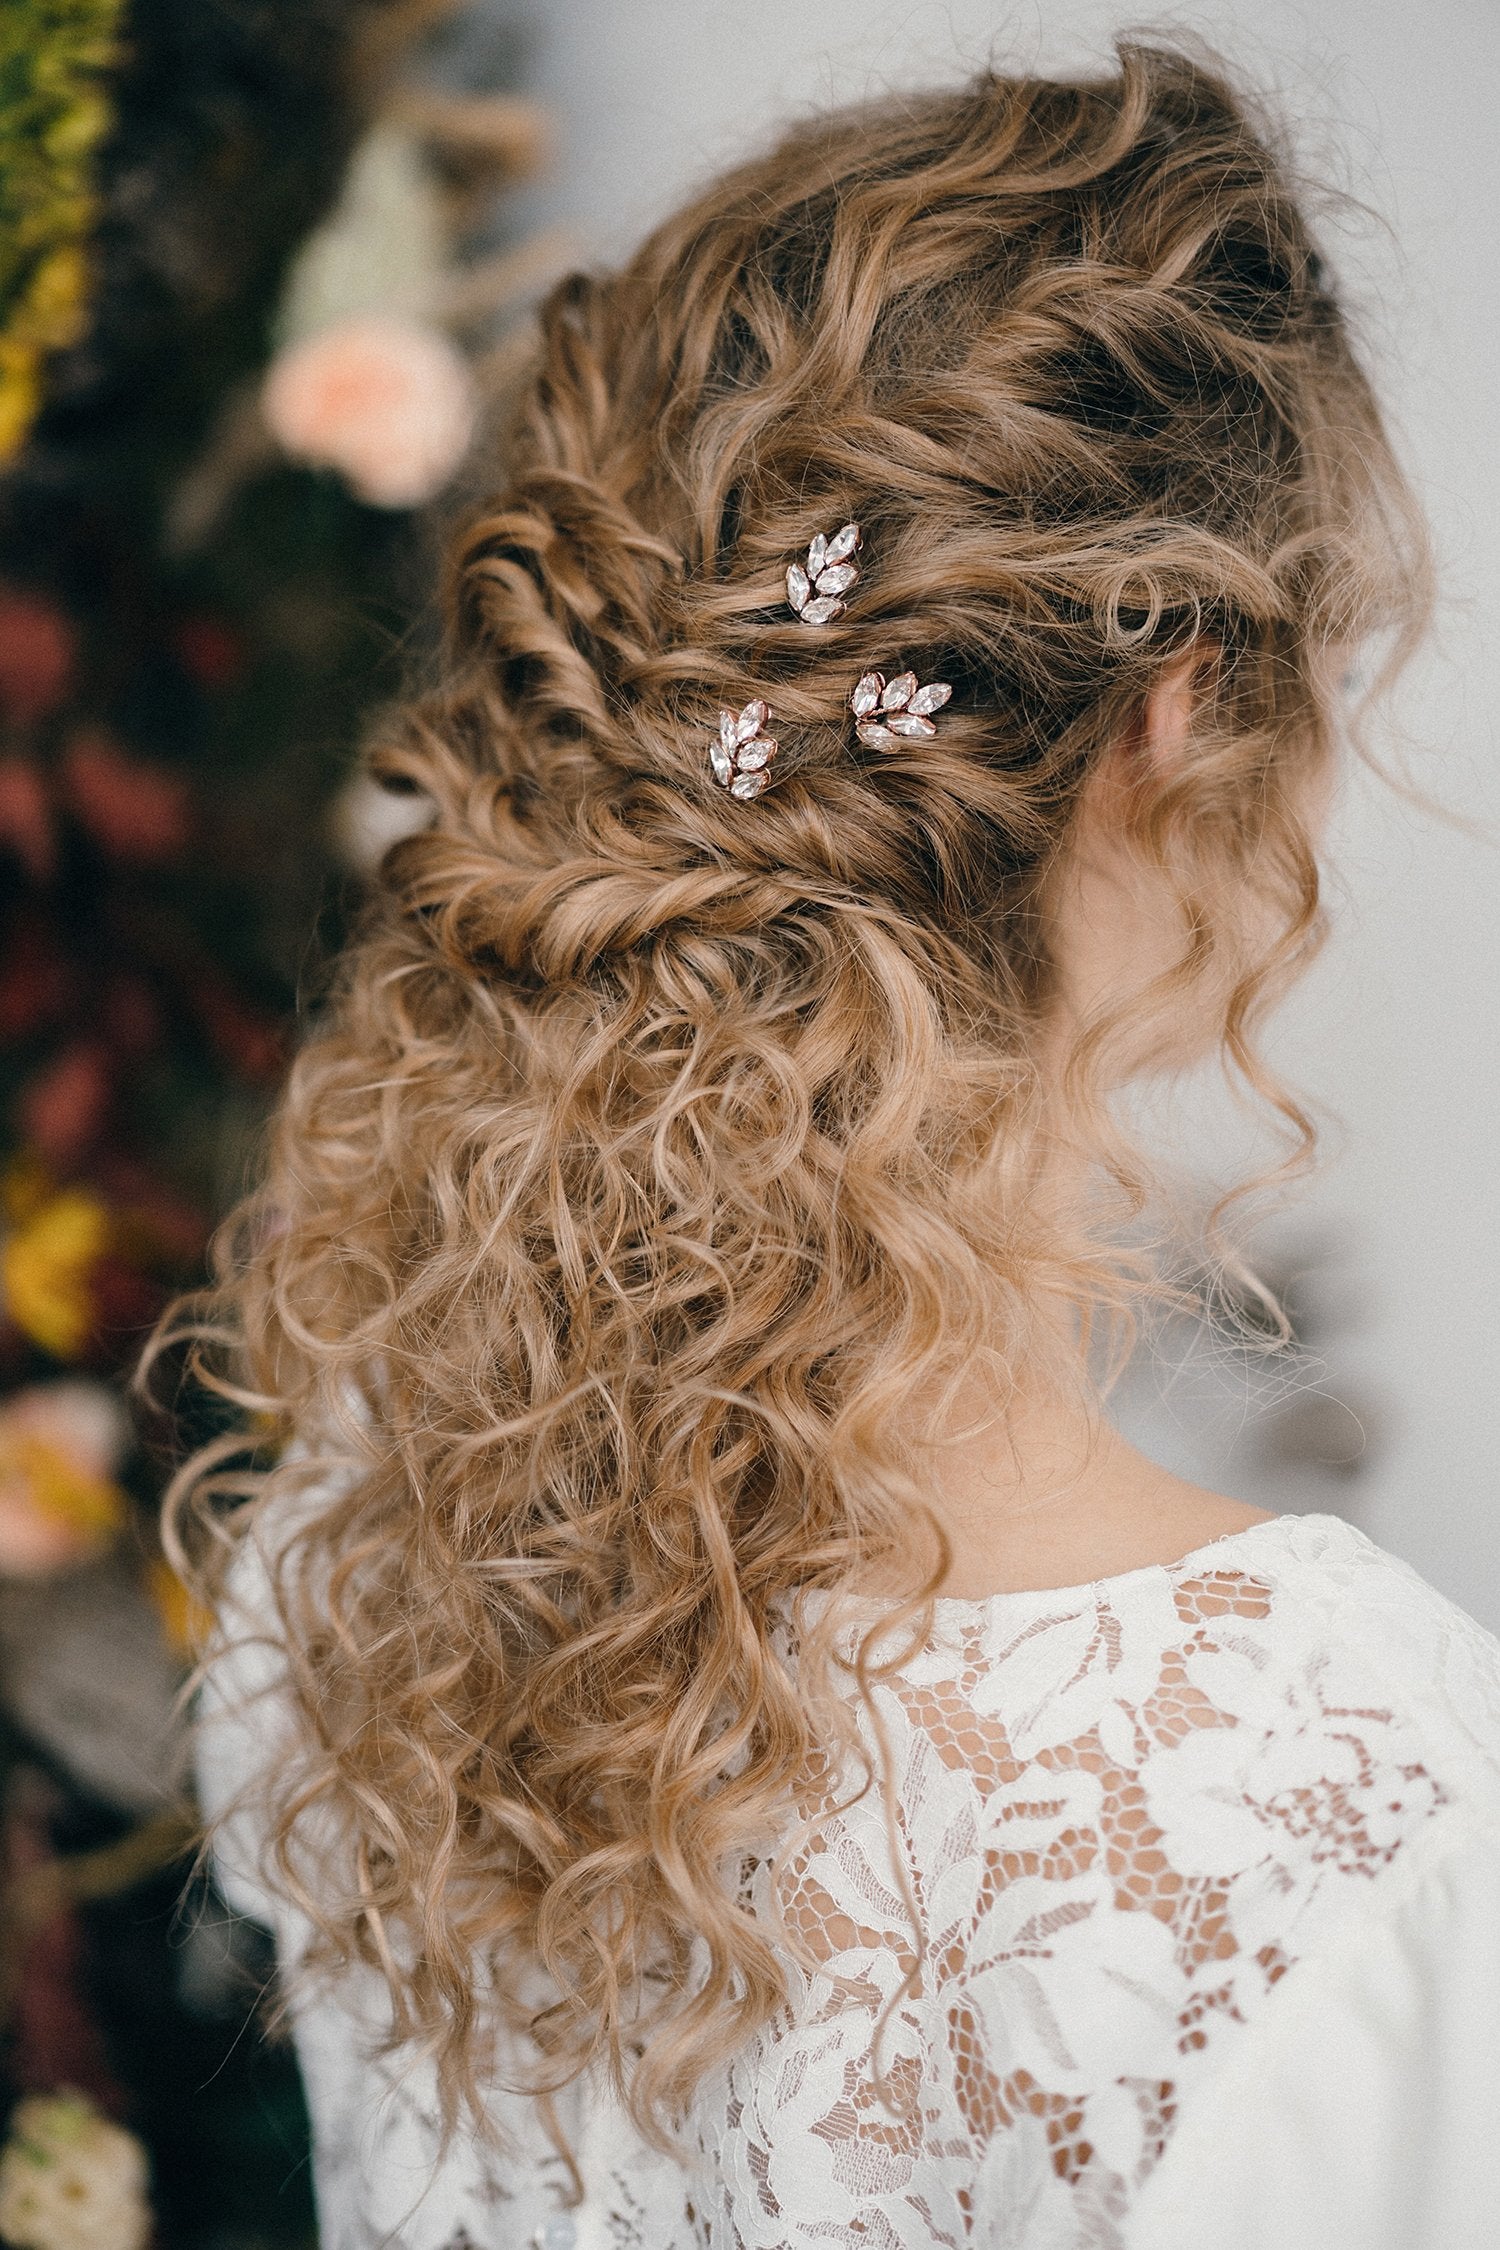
column 20, row 393
column 184, row 1619
column 48, row 318
column 55, row 112
column 80, row 129
column 52, row 311
column 57, row 1238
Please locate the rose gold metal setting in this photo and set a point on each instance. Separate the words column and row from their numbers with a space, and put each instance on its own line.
column 816, row 589
column 888, row 713
column 740, row 754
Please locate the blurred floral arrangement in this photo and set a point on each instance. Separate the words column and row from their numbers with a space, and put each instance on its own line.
column 259, row 293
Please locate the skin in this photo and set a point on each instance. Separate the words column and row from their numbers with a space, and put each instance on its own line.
column 1047, row 1494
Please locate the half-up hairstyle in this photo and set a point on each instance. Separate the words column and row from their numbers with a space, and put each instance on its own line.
column 655, row 1150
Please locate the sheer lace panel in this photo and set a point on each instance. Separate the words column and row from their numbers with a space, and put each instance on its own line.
column 1114, row 1828
column 1112, row 1821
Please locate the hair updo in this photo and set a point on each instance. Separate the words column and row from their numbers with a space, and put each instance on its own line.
column 655, row 1149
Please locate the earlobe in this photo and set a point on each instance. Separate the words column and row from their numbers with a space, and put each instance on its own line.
column 1167, row 721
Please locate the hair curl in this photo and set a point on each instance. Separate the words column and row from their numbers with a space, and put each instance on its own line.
column 655, row 1150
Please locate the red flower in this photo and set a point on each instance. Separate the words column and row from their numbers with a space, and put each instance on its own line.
column 35, row 981
column 38, row 649
column 252, row 1044
column 26, row 818
column 213, row 654
column 135, row 810
column 64, row 1107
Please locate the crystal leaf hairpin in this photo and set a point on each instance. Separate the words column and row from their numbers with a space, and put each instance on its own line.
column 816, row 592
column 888, row 712
column 741, row 755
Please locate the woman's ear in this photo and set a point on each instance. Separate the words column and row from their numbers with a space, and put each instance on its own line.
column 1167, row 721
column 1147, row 752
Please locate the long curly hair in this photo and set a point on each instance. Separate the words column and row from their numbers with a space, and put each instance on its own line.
column 655, row 1152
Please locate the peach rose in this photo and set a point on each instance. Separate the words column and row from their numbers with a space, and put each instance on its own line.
column 387, row 401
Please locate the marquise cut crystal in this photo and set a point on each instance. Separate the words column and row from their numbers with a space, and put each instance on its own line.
column 930, row 698
column 888, row 712
column 814, row 590
column 741, row 755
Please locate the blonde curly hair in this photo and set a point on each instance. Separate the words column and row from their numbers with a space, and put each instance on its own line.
column 656, row 1151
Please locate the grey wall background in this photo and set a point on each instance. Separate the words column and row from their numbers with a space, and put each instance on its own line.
column 1396, row 1032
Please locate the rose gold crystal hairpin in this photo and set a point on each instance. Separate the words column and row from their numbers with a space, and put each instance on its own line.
column 816, row 593
column 740, row 754
column 886, row 712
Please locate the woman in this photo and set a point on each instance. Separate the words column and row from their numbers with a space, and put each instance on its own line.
column 734, row 1748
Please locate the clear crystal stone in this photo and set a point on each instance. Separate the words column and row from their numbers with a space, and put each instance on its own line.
column 817, row 554
column 867, row 694
column 754, row 754
column 823, row 611
column 719, row 759
column 556, row 2232
column 797, row 587
column 745, row 785
column 727, row 734
column 843, row 543
column 930, row 698
column 838, row 580
column 877, row 736
column 751, row 720
column 899, row 692
column 909, row 722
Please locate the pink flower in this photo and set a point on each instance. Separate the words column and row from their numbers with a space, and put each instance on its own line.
column 386, row 401
column 60, row 1445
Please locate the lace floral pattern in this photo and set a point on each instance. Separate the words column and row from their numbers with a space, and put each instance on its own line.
column 1118, row 1817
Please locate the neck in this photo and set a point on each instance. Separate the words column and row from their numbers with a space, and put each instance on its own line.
column 1045, row 1492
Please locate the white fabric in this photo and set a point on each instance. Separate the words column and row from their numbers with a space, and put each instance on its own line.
column 1206, row 1862
column 1365, row 2109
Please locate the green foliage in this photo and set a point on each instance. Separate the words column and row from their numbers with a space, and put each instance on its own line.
column 54, row 111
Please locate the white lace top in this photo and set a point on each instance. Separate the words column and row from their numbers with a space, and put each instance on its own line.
column 1208, row 1864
